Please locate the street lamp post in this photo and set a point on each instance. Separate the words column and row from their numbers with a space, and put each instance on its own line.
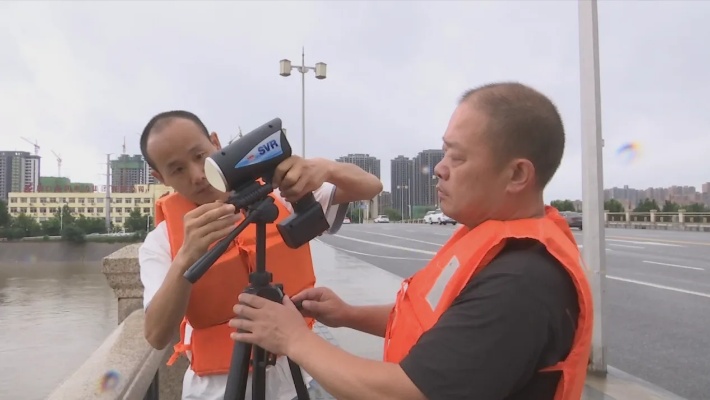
column 108, row 193
column 436, row 194
column 409, row 200
column 401, row 189
column 593, row 249
column 320, row 71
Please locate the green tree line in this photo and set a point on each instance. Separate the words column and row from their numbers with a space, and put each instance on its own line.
column 66, row 224
column 645, row 205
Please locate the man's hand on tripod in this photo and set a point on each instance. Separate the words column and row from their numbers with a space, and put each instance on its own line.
column 329, row 309
column 272, row 326
column 324, row 305
column 205, row 225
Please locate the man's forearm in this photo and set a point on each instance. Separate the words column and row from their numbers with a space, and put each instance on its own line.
column 352, row 182
column 369, row 319
column 168, row 306
column 355, row 377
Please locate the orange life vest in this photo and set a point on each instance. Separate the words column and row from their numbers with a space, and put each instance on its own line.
column 425, row 296
column 214, row 295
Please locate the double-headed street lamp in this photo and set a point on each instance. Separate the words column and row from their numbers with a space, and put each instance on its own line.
column 401, row 189
column 285, row 68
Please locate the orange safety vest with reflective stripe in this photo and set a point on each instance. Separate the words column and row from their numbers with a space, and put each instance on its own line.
column 425, row 296
column 214, row 295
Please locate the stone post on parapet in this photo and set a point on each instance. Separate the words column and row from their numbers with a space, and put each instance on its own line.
column 122, row 271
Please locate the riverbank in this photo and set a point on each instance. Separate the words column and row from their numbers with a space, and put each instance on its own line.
column 55, row 252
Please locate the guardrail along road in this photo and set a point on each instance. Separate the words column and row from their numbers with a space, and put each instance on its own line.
column 658, row 294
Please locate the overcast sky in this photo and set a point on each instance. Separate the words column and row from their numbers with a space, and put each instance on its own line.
column 79, row 77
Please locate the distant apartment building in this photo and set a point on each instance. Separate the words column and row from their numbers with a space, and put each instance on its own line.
column 424, row 180
column 149, row 178
column 384, row 202
column 127, row 172
column 401, row 169
column 19, row 172
column 682, row 195
column 629, row 197
column 705, row 195
column 367, row 162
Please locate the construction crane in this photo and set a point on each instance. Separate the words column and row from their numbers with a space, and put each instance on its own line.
column 35, row 144
column 59, row 164
column 231, row 138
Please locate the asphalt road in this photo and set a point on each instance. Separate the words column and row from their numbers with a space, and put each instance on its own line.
column 658, row 294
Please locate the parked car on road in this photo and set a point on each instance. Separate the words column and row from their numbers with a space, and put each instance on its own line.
column 431, row 216
column 445, row 219
column 381, row 219
column 574, row 219
column 438, row 217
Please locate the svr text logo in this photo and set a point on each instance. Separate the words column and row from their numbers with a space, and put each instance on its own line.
column 265, row 148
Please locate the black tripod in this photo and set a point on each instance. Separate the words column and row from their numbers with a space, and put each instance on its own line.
column 261, row 212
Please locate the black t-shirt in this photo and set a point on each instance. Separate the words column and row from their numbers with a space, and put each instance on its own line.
column 513, row 318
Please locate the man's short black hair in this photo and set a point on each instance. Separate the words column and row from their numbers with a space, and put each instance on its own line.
column 522, row 123
column 162, row 119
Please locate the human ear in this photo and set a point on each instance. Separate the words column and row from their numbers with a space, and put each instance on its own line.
column 214, row 139
column 521, row 174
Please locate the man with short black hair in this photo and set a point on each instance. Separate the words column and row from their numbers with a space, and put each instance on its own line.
column 522, row 122
column 502, row 311
column 175, row 144
column 161, row 120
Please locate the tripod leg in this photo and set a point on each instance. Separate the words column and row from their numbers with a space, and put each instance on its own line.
column 258, row 377
column 298, row 383
column 238, row 372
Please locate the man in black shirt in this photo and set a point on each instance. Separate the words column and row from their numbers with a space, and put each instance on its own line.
column 514, row 318
column 517, row 315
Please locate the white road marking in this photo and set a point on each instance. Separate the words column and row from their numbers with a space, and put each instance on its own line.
column 391, row 246
column 644, row 243
column 375, row 255
column 653, row 285
column 581, row 246
column 403, row 238
column 626, row 245
column 674, row 265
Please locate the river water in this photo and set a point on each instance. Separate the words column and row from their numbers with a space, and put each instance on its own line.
column 52, row 317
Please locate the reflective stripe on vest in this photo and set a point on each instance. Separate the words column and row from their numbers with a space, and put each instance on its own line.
column 425, row 296
column 437, row 289
column 214, row 295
